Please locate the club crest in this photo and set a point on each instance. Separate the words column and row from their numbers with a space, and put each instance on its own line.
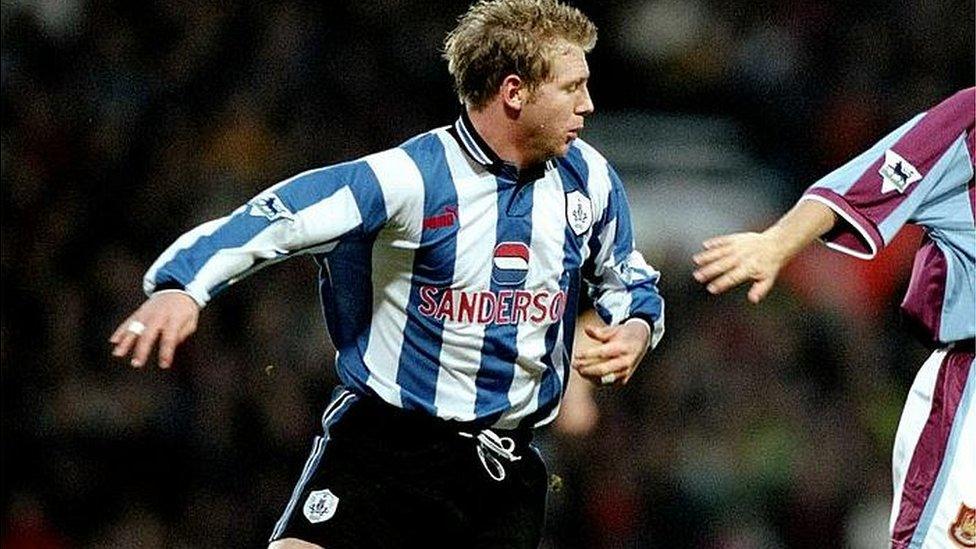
column 320, row 506
column 579, row 212
column 963, row 531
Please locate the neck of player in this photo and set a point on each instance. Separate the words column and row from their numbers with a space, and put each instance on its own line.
column 500, row 128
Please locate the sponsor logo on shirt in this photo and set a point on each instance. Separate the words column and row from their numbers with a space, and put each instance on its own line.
column 442, row 220
column 320, row 506
column 510, row 263
column 897, row 173
column 486, row 307
column 270, row 206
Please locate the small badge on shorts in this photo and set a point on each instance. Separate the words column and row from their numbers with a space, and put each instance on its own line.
column 320, row 506
column 963, row 531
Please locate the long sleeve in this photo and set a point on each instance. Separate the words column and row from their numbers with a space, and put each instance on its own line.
column 309, row 212
column 621, row 282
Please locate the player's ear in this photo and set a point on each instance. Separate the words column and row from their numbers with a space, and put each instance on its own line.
column 513, row 91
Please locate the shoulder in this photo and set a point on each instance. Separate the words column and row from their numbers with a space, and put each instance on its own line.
column 427, row 146
column 582, row 152
column 586, row 148
column 401, row 171
column 944, row 122
column 962, row 103
column 593, row 169
column 407, row 160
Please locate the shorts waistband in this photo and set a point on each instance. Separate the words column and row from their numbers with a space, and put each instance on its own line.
column 400, row 422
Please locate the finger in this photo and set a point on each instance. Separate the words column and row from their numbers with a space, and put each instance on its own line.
column 727, row 281
column 599, row 333
column 124, row 344
column 613, row 377
column 168, row 340
column 717, row 241
column 760, row 290
column 710, row 255
column 597, row 371
column 716, row 268
column 600, row 352
column 626, row 377
column 116, row 336
column 145, row 344
column 587, row 362
column 581, row 362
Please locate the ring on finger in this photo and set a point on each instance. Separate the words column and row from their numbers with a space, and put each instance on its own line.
column 607, row 379
column 136, row 327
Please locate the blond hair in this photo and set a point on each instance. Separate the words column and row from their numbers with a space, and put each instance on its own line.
column 496, row 38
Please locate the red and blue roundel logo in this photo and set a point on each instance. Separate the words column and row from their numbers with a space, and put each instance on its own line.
column 510, row 263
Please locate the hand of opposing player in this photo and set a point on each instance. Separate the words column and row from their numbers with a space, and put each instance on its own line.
column 615, row 355
column 168, row 317
column 728, row 261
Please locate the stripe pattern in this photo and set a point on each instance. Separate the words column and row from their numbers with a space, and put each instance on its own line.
column 449, row 279
column 927, row 445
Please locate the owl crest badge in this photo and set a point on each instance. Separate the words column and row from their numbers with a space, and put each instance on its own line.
column 579, row 212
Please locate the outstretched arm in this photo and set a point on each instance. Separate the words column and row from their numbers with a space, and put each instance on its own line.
column 730, row 260
column 308, row 213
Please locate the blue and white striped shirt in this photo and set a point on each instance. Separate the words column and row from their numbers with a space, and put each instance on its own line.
column 449, row 279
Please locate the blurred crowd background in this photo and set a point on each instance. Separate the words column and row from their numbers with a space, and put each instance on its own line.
column 126, row 123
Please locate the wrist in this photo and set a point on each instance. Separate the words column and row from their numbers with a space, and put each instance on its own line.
column 176, row 291
column 644, row 326
column 803, row 224
column 779, row 244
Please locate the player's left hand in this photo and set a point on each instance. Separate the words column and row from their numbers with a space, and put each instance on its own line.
column 615, row 355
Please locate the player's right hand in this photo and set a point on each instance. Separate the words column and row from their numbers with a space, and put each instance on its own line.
column 168, row 317
column 730, row 260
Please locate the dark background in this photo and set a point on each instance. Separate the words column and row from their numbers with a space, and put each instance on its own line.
column 125, row 124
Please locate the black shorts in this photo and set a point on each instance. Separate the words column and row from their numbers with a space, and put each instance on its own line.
column 380, row 476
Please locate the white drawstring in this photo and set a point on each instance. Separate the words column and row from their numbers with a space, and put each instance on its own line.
column 490, row 448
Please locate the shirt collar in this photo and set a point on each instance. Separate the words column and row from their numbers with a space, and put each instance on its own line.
column 477, row 148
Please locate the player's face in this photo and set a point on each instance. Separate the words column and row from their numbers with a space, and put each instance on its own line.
column 553, row 114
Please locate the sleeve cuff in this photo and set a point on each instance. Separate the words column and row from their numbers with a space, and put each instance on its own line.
column 643, row 321
column 177, row 291
column 171, row 286
column 855, row 235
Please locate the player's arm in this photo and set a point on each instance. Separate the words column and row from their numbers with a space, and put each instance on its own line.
column 625, row 295
column 308, row 213
column 858, row 207
column 578, row 413
column 731, row 260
